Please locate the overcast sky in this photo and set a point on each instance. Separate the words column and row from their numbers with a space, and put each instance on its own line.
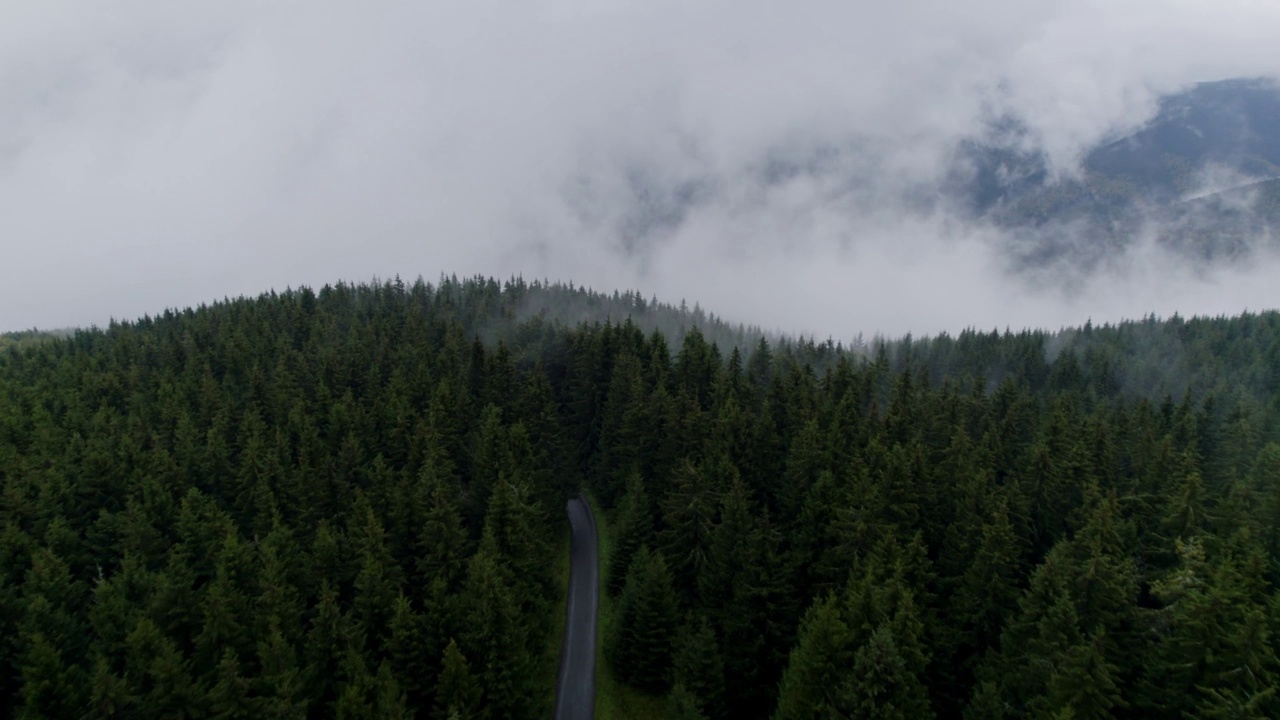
column 157, row 154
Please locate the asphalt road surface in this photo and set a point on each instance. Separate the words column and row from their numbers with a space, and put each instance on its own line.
column 576, row 693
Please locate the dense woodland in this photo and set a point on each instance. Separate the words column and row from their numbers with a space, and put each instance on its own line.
column 349, row 503
column 30, row 338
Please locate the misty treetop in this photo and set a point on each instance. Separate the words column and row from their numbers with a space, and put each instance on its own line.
column 348, row 503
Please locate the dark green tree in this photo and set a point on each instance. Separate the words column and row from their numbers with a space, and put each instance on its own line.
column 641, row 643
column 699, row 669
column 633, row 528
column 458, row 694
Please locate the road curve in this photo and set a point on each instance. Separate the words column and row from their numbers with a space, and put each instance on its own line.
column 576, row 691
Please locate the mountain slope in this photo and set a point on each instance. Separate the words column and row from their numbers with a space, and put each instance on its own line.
column 1196, row 176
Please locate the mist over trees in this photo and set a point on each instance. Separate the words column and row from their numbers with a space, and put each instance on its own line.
column 348, row 503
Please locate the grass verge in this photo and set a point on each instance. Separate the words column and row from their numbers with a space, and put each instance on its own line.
column 615, row 701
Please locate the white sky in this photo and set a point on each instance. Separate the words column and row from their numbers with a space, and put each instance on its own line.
column 157, row 154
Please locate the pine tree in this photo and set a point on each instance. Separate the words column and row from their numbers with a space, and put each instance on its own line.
column 807, row 458
column 1219, row 644
column 1080, row 600
column 222, row 629
column 699, row 669
column 388, row 701
column 490, row 458
column 458, row 694
column 642, row 641
column 985, row 596
column 881, row 685
column 278, row 604
column 1083, row 684
column 620, row 431
column 154, row 665
column 494, row 636
column 280, row 684
column 633, row 528
column 442, row 543
column 332, row 637
column 516, row 526
column 879, row 598
column 822, row 655
column 1185, row 515
column 51, row 641
column 754, row 623
column 353, row 698
column 688, row 514
column 51, row 688
column 229, row 699
column 683, row 705
column 407, row 649
column 883, row 600
column 108, row 694
column 729, row 553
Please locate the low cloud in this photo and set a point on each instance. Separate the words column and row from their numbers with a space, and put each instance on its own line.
column 777, row 165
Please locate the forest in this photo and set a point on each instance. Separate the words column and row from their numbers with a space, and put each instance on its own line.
column 349, row 503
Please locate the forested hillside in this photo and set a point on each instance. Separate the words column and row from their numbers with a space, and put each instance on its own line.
column 1198, row 177
column 346, row 503
column 28, row 338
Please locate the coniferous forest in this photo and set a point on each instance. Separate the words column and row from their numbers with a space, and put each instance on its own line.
column 350, row 503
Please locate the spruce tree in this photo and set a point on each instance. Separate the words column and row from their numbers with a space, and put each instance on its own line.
column 881, row 685
column 642, row 640
column 494, row 635
column 280, row 684
column 442, row 543
column 683, row 705
column 688, row 516
column 407, row 650
column 633, row 528
column 1083, row 684
column 230, row 698
column 699, row 669
column 458, row 694
column 823, row 653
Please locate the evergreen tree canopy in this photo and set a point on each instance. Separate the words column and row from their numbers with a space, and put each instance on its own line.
column 346, row 502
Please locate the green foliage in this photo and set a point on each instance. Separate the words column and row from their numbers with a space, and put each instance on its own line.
column 699, row 671
column 290, row 505
column 458, row 694
column 881, row 685
column 270, row 506
column 633, row 529
column 495, row 635
column 642, row 643
column 683, row 705
column 817, row 664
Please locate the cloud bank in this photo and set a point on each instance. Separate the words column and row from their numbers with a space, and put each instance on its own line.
column 777, row 164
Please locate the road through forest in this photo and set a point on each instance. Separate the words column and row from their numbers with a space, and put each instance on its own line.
column 576, row 690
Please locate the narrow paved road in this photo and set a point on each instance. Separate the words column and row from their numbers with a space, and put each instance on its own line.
column 576, row 693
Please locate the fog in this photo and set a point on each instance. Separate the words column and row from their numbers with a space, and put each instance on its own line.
column 777, row 163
